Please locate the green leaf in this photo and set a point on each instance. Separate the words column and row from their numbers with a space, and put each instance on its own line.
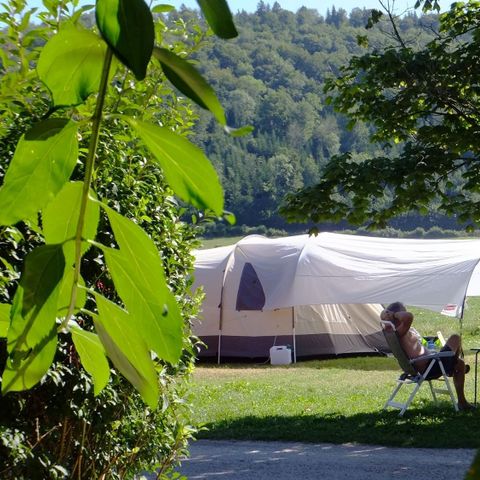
column 4, row 319
column 24, row 370
column 229, row 217
column 219, row 17
column 185, row 77
column 43, row 162
column 93, row 357
column 137, row 272
column 162, row 8
column 66, row 292
column 127, row 27
column 60, row 219
column 239, row 132
column 127, row 350
column 71, row 64
column 186, row 168
column 31, row 340
column 362, row 41
column 78, row 13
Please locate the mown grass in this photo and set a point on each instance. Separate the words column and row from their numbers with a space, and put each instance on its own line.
column 335, row 400
column 220, row 242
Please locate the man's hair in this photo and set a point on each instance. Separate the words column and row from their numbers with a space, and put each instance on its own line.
column 396, row 307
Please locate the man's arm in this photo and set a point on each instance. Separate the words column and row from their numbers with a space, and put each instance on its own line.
column 401, row 320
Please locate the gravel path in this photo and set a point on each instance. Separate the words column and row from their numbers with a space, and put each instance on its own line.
column 245, row 460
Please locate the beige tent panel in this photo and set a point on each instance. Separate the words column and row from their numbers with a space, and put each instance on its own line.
column 319, row 330
column 257, row 324
column 347, row 319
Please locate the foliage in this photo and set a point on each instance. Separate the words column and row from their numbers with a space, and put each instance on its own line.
column 91, row 275
column 272, row 77
column 426, row 98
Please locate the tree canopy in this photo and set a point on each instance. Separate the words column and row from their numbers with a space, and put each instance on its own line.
column 272, row 76
column 427, row 100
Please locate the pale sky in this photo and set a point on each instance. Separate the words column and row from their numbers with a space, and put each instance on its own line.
column 293, row 5
column 320, row 5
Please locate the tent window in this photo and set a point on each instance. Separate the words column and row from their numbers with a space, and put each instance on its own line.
column 250, row 291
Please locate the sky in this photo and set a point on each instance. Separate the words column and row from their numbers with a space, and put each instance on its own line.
column 293, row 5
column 320, row 5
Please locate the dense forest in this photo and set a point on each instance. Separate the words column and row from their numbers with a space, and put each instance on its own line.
column 272, row 77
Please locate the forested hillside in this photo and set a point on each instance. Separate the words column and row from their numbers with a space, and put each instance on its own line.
column 272, row 77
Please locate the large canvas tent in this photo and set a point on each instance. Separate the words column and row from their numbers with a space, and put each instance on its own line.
column 322, row 294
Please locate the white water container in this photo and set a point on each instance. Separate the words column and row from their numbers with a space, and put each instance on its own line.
column 280, row 355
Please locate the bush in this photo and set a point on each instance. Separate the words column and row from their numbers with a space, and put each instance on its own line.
column 59, row 428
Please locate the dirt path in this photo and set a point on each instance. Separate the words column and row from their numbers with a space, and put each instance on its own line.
column 244, row 460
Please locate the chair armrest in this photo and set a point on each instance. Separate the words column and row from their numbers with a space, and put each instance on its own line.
column 433, row 356
column 441, row 338
column 387, row 324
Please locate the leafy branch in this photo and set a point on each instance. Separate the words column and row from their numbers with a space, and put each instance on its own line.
column 145, row 321
column 90, row 161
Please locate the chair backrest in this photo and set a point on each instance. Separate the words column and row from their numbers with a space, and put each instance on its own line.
column 394, row 343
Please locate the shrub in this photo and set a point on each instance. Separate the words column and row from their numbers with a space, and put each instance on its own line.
column 60, row 428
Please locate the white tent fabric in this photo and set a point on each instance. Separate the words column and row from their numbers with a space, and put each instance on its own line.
column 333, row 268
column 260, row 274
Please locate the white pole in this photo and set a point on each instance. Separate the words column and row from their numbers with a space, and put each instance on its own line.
column 220, row 325
column 219, row 345
column 293, row 333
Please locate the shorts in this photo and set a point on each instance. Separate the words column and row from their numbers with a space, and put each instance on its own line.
column 448, row 364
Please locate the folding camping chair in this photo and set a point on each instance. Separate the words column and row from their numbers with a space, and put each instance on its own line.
column 411, row 375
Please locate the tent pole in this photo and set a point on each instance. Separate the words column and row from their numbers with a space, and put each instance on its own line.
column 219, row 346
column 293, row 333
column 220, row 325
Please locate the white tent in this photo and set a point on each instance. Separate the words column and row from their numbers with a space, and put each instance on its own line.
column 321, row 294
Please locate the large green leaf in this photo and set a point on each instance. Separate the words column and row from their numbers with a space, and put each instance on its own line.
column 127, row 27
column 219, row 17
column 4, row 318
column 66, row 293
column 43, row 162
column 186, row 168
column 187, row 79
column 162, row 8
column 24, row 370
column 60, row 219
column 71, row 64
column 92, row 354
column 31, row 340
column 127, row 349
column 239, row 132
column 137, row 272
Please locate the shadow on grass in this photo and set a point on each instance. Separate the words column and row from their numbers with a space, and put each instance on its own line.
column 435, row 427
column 363, row 363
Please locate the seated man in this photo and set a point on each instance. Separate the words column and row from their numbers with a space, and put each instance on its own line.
column 410, row 341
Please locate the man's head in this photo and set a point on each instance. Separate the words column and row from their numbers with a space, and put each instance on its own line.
column 396, row 307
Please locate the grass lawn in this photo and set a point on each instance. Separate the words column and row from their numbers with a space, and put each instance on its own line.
column 336, row 400
column 220, row 242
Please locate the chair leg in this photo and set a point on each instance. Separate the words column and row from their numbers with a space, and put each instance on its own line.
column 402, row 406
column 410, row 398
column 433, row 392
column 393, row 395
